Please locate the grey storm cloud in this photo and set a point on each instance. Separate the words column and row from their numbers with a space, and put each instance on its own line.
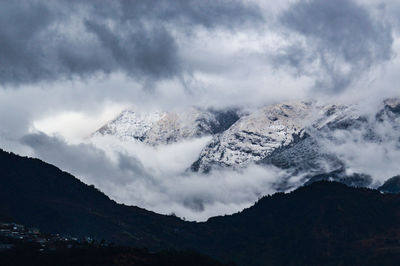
column 51, row 40
column 340, row 41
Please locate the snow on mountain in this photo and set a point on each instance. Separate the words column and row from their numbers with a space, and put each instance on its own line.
column 287, row 135
column 156, row 128
column 343, row 145
column 254, row 136
column 272, row 128
column 130, row 125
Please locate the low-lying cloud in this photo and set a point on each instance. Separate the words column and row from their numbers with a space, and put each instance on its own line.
column 371, row 148
column 144, row 176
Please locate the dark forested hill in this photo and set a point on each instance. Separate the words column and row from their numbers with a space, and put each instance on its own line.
column 324, row 223
column 38, row 194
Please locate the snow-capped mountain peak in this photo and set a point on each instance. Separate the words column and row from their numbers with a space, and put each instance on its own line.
column 130, row 124
column 156, row 128
column 287, row 135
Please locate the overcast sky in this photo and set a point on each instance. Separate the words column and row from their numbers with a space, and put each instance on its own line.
column 66, row 67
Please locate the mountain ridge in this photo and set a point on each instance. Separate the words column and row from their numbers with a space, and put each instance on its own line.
column 162, row 127
column 322, row 223
column 291, row 136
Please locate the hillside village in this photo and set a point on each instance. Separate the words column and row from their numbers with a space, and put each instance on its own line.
column 13, row 235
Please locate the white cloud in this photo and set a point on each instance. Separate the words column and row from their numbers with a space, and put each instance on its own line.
column 377, row 156
column 154, row 177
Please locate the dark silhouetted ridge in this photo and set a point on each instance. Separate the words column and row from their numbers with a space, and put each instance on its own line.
column 323, row 223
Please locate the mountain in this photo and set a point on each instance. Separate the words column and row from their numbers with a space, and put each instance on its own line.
column 254, row 136
column 291, row 136
column 266, row 131
column 38, row 194
column 324, row 223
column 157, row 128
column 239, row 137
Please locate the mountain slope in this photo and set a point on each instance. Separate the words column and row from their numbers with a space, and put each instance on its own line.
column 301, row 138
column 37, row 194
column 293, row 136
column 325, row 223
column 262, row 135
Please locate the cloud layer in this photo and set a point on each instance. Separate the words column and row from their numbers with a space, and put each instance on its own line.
column 155, row 178
column 48, row 41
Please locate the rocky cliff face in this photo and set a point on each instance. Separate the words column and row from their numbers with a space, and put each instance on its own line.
column 273, row 132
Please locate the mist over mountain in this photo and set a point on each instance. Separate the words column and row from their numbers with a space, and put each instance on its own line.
column 166, row 161
column 293, row 136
